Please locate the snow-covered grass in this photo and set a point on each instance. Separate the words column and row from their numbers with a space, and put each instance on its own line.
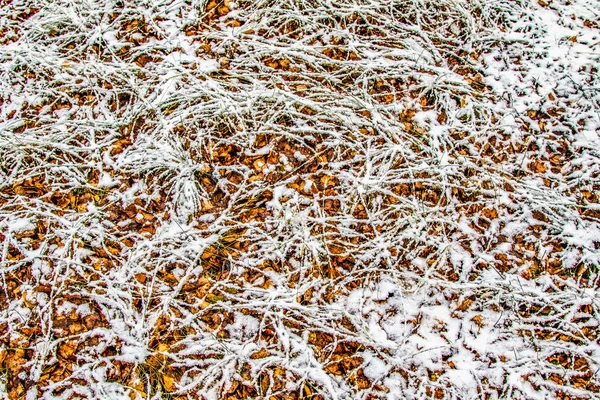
column 335, row 199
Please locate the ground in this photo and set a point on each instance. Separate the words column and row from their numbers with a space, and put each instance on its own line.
column 299, row 199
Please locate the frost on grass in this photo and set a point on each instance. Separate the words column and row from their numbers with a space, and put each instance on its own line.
column 299, row 199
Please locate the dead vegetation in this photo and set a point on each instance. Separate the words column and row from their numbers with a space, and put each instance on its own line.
column 299, row 199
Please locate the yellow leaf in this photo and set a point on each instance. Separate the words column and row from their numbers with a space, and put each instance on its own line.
column 327, row 180
column 170, row 384
column 259, row 164
column 213, row 298
column 207, row 205
column 204, row 305
column 307, row 389
column 29, row 303
column 163, row 348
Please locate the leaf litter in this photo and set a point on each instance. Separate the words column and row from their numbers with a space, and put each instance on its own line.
column 299, row 199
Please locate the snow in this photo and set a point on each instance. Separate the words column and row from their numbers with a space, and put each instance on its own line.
column 375, row 368
column 426, row 202
column 106, row 181
column 20, row 224
column 244, row 327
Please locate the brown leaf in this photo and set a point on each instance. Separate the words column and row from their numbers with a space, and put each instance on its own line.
column 478, row 319
column 285, row 64
column 223, row 10
column 388, row 98
column 262, row 353
column 16, row 392
column 141, row 278
column 334, row 368
column 147, row 230
column 542, row 125
column 142, row 60
column 489, row 213
column 464, row 306
column 538, row 166
column 67, row 349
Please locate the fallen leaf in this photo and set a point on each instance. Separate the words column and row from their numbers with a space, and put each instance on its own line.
column 163, row 348
column 170, row 384
column 262, row 353
column 464, row 306
column 478, row 319
column 213, row 298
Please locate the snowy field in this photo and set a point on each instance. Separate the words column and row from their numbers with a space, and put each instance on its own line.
column 299, row 199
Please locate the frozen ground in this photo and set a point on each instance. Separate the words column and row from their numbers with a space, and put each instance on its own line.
column 320, row 199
